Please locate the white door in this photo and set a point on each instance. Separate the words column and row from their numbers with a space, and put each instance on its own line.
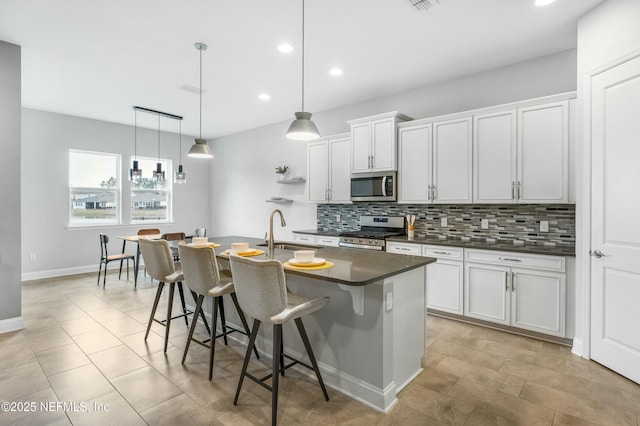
column 486, row 292
column 317, row 168
column 414, row 173
column 360, row 147
column 383, row 144
column 538, row 301
column 452, row 161
column 494, row 157
column 339, row 173
column 543, row 153
column 615, row 192
column 444, row 286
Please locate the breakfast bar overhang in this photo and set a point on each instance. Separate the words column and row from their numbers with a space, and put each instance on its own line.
column 369, row 341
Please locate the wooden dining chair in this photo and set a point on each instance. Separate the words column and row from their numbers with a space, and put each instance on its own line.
column 174, row 236
column 105, row 258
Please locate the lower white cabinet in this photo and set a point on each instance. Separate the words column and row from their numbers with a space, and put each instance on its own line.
column 320, row 240
column 304, row 238
column 527, row 296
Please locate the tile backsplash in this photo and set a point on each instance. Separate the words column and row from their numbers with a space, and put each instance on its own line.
column 518, row 223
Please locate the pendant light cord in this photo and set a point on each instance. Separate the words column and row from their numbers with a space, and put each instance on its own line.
column 158, row 138
column 200, row 93
column 180, row 140
column 135, row 134
column 302, row 55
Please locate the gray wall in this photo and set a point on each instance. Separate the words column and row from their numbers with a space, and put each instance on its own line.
column 243, row 172
column 10, row 186
column 605, row 34
column 46, row 140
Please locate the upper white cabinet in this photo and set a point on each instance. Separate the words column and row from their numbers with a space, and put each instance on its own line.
column 328, row 170
column 435, row 161
column 374, row 142
column 522, row 155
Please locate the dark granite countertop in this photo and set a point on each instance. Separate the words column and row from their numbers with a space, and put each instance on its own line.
column 532, row 248
column 334, row 233
column 352, row 266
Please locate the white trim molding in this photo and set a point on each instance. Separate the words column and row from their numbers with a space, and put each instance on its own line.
column 11, row 324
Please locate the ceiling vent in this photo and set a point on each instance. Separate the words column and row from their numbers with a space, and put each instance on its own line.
column 423, row 4
column 191, row 89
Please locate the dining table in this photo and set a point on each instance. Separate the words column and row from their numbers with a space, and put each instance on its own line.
column 136, row 239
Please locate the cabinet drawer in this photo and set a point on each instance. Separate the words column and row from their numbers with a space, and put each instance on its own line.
column 443, row 252
column 404, row 248
column 304, row 238
column 520, row 260
column 327, row 241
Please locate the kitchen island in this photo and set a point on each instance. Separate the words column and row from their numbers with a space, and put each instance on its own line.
column 369, row 341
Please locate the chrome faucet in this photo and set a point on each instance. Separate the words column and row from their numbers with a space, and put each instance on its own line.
column 282, row 223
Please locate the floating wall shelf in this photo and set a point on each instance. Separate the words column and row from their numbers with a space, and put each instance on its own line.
column 292, row 179
column 279, row 200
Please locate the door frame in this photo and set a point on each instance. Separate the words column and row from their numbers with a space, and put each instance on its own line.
column 582, row 340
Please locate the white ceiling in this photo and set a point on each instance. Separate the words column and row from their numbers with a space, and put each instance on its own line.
column 97, row 59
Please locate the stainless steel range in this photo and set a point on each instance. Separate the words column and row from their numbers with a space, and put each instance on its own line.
column 373, row 231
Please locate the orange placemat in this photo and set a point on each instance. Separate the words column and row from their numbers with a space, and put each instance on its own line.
column 325, row 265
column 256, row 252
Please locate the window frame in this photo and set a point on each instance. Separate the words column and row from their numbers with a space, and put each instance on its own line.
column 95, row 189
column 168, row 190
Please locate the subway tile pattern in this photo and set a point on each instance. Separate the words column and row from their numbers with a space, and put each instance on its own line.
column 510, row 223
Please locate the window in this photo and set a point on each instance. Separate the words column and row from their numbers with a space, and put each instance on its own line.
column 150, row 200
column 94, row 188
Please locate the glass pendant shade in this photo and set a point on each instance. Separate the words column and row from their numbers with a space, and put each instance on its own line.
column 135, row 173
column 302, row 128
column 181, row 176
column 200, row 149
column 159, row 174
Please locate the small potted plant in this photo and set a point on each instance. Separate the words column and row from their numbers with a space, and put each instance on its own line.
column 282, row 172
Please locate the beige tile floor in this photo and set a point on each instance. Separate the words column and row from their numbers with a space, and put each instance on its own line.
column 85, row 345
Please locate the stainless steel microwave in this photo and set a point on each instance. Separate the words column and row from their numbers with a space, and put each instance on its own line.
column 376, row 186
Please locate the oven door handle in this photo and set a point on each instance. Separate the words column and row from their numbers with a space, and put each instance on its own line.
column 360, row 246
column 384, row 186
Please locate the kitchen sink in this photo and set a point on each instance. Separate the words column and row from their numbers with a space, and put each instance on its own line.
column 291, row 246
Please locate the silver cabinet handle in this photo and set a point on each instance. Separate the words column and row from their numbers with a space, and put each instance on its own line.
column 435, row 192
column 429, row 192
column 508, row 259
column 329, row 196
column 506, row 281
column 518, row 190
column 513, row 281
column 596, row 253
column 513, row 190
column 441, row 252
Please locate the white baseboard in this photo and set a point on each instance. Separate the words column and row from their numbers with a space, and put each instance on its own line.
column 52, row 273
column 577, row 348
column 11, row 324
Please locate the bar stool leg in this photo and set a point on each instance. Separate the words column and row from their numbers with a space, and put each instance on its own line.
column 244, row 320
column 281, row 354
column 247, row 356
column 202, row 315
column 193, row 326
column 184, row 306
column 212, row 342
column 307, row 346
column 275, row 377
column 153, row 310
column 172, row 288
column 223, row 322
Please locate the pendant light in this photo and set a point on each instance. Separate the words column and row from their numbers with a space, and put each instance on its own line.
column 135, row 173
column 181, row 176
column 200, row 149
column 159, row 174
column 302, row 128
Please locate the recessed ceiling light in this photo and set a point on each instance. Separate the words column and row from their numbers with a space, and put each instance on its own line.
column 285, row 48
column 543, row 2
column 264, row 97
column 335, row 71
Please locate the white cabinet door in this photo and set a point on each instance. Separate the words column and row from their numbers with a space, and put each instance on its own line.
column 327, row 241
column 537, row 301
column 383, row 145
column 317, row 170
column 339, row 172
column 444, row 286
column 360, row 147
column 452, row 159
column 486, row 292
column 494, row 157
column 414, row 171
column 543, row 149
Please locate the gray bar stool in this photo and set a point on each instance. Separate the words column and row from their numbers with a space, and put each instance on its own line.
column 261, row 289
column 202, row 276
column 159, row 262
